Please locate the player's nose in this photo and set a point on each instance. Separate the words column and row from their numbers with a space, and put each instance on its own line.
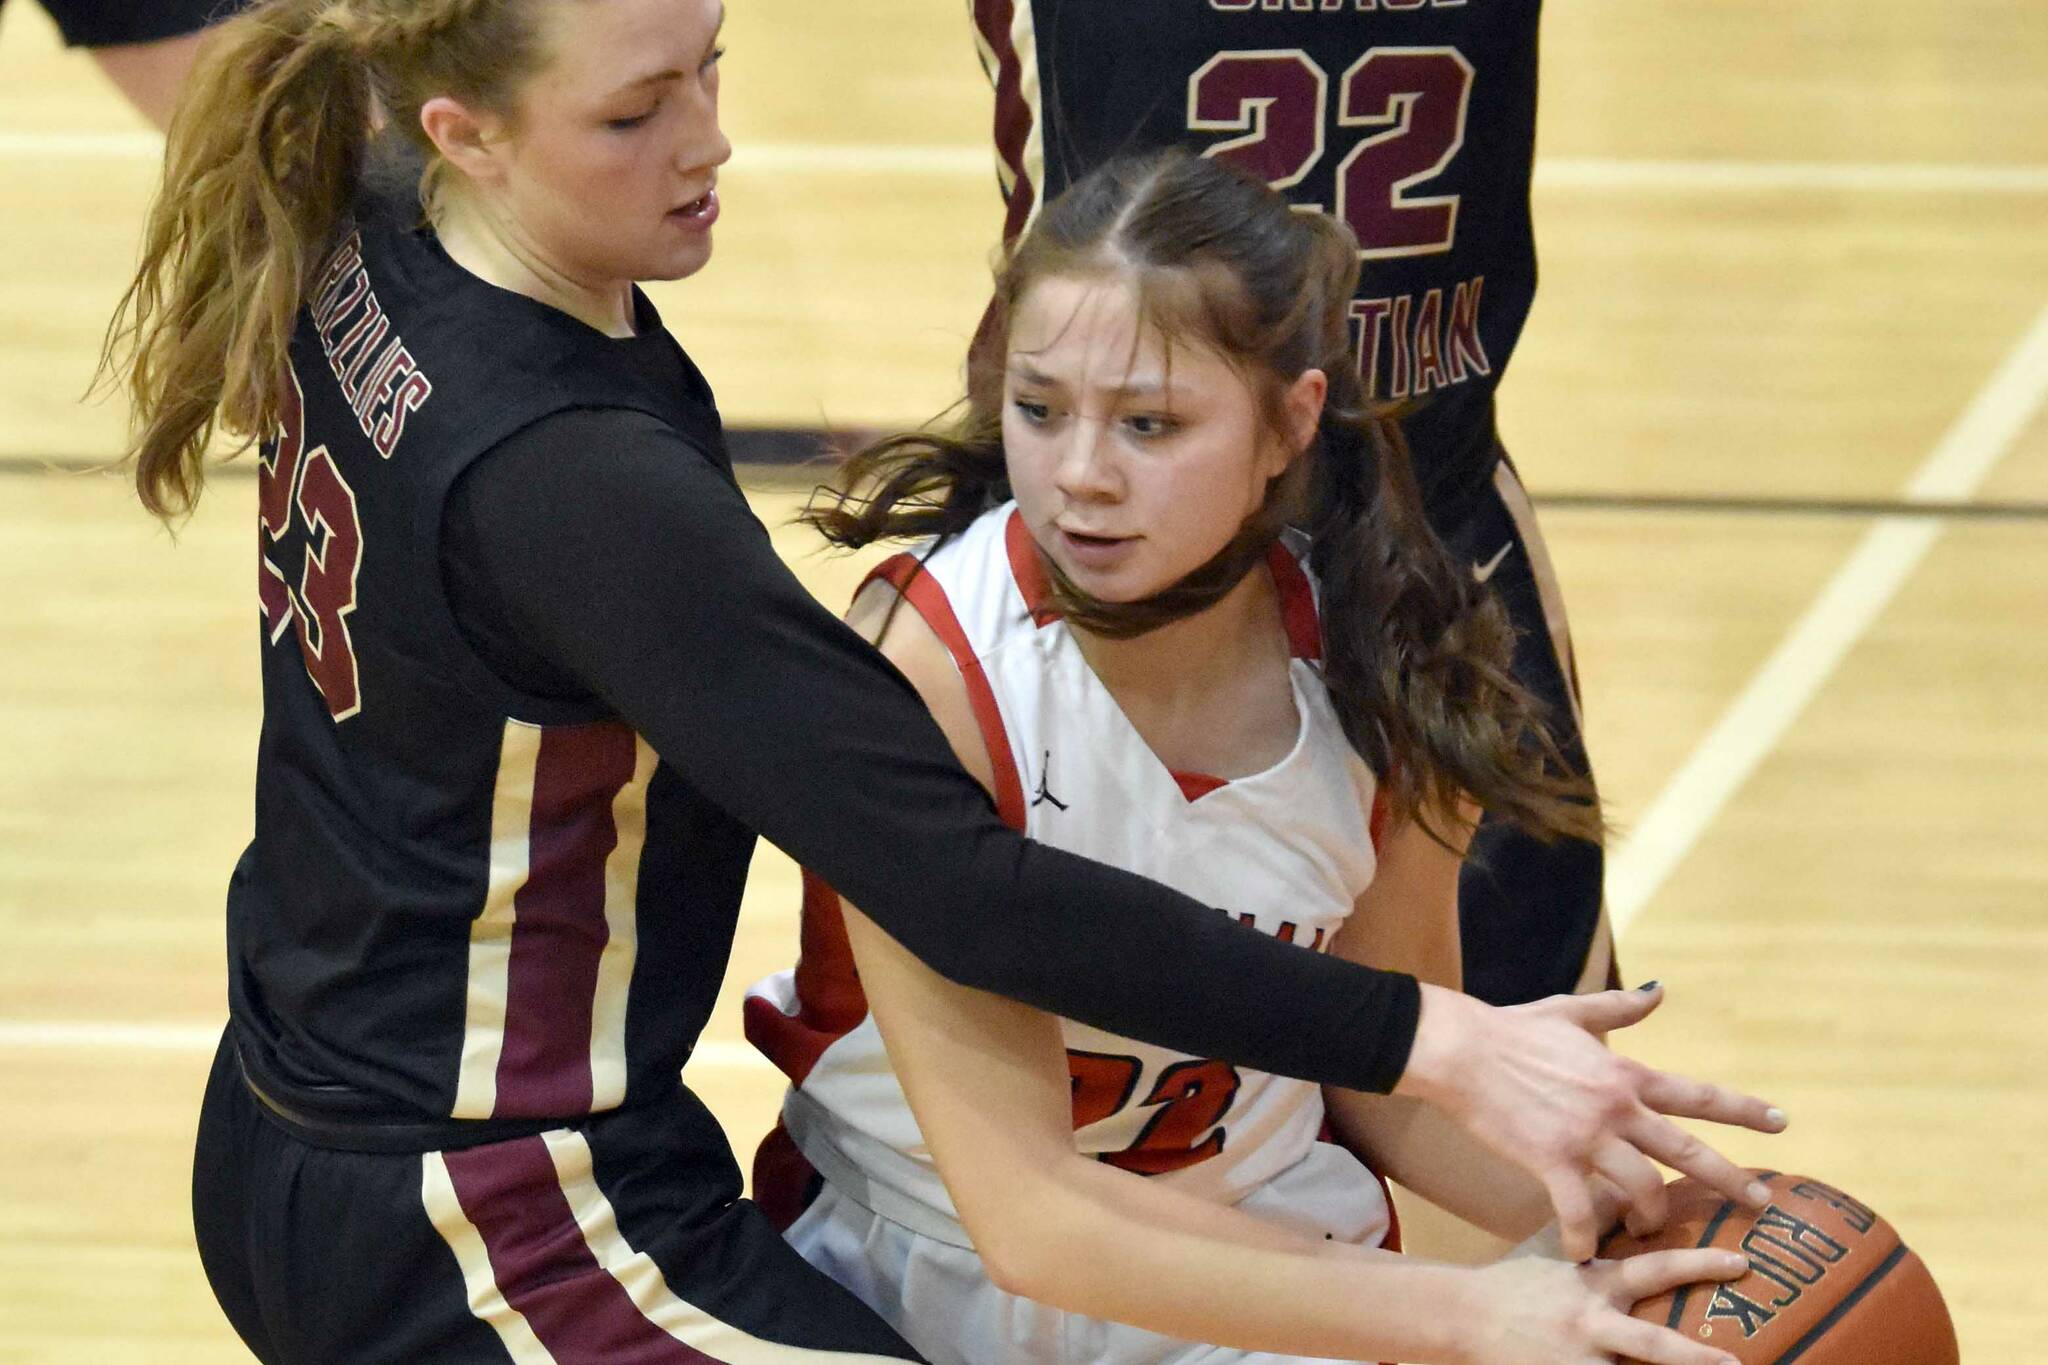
column 1085, row 469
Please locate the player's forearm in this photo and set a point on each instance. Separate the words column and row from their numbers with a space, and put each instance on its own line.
column 1407, row 1141
column 1215, row 1274
column 151, row 74
column 1126, row 955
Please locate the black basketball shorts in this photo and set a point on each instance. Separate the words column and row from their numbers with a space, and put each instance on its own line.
column 617, row 1241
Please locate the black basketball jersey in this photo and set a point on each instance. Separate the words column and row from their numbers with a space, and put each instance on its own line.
column 1412, row 120
column 445, row 911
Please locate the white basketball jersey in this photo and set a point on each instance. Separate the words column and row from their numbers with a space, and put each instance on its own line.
column 1288, row 850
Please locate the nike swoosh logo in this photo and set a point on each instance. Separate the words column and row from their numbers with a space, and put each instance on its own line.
column 1482, row 572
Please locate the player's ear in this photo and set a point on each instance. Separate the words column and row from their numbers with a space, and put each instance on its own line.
column 1301, row 409
column 467, row 140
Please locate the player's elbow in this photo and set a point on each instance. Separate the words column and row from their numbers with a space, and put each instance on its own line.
column 1024, row 1262
column 1018, row 1236
column 1012, row 1264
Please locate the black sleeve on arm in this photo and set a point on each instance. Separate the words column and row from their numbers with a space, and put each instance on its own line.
column 624, row 557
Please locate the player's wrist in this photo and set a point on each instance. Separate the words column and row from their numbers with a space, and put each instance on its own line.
column 1445, row 1036
column 1411, row 1308
column 1469, row 1320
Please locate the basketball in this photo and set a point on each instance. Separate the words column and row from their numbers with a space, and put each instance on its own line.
column 1829, row 1281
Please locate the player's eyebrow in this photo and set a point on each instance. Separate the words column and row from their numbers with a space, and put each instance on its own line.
column 1142, row 386
column 651, row 78
column 1027, row 373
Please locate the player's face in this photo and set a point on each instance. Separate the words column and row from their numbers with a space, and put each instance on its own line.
column 613, row 157
column 1130, row 471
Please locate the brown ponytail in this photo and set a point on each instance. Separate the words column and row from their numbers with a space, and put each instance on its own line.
column 1415, row 654
column 264, row 157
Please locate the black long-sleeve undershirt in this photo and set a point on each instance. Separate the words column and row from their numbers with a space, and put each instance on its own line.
column 605, row 554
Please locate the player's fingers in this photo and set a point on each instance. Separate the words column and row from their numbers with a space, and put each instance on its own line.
column 1687, row 1098
column 1610, row 1203
column 1653, row 1272
column 1604, row 1011
column 1688, row 1154
column 1578, row 1236
column 1640, row 1182
column 1635, row 1340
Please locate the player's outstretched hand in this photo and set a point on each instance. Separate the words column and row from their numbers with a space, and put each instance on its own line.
column 1541, row 1312
column 1535, row 1083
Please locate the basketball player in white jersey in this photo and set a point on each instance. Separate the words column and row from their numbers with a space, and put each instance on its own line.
column 1113, row 620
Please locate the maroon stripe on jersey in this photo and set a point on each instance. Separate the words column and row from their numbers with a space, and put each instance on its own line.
column 1014, row 114
column 1297, row 604
column 558, row 927
column 925, row 595
column 829, row 998
column 1376, row 824
column 1028, row 569
column 509, row 1191
column 1195, row 786
column 829, row 994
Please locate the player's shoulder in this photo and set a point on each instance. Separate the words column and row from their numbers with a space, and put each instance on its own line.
column 960, row 587
column 885, row 616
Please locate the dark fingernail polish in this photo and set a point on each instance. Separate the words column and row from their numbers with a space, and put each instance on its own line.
column 1649, row 986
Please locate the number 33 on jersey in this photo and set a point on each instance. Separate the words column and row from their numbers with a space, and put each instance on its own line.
column 310, row 550
column 310, row 522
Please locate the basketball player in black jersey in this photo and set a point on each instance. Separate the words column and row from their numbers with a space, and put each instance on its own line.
column 534, row 679
column 146, row 47
column 1414, row 121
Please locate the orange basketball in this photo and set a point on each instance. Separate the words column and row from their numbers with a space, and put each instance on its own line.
column 1829, row 1281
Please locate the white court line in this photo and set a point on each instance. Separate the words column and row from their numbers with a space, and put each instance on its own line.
column 25, row 1033
column 31, row 1034
column 1600, row 173
column 1816, row 644
column 1586, row 173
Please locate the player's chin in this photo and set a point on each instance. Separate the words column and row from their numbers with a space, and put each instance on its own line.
column 1116, row 586
column 672, row 260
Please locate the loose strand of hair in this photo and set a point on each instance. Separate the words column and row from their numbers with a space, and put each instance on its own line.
column 913, row 485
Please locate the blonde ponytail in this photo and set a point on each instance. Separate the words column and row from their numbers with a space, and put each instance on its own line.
column 263, row 161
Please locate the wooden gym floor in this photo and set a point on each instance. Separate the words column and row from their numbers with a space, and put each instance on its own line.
column 1782, row 405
